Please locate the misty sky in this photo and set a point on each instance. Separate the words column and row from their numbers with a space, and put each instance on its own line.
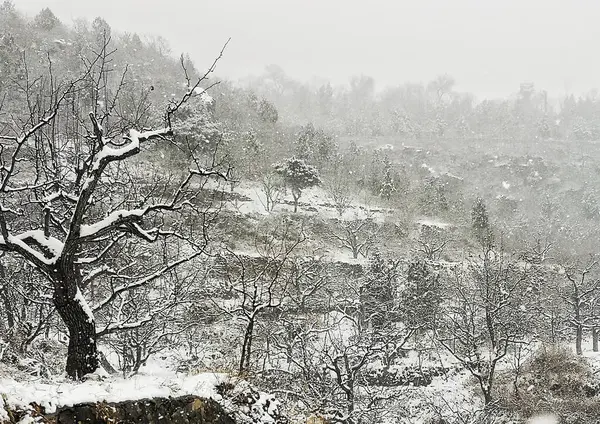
column 488, row 46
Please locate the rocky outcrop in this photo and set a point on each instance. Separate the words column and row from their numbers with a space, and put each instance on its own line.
column 181, row 410
column 405, row 376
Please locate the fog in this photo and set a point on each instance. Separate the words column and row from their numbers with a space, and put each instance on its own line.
column 488, row 47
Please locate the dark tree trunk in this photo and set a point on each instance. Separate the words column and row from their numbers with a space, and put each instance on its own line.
column 8, row 308
column 595, row 339
column 296, row 196
column 82, row 355
column 578, row 339
column 487, row 398
column 247, row 348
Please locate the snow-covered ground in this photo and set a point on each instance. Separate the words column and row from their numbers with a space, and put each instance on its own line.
column 156, row 379
column 314, row 201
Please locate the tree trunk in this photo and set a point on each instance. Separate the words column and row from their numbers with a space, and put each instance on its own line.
column 82, row 354
column 350, row 402
column 578, row 339
column 247, row 347
column 595, row 339
column 296, row 196
column 8, row 308
column 487, row 398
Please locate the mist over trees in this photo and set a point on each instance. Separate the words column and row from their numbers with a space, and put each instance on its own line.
column 366, row 255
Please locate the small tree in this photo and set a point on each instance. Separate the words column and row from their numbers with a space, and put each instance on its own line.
column 388, row 186
column 581, row 295
column 377, row 294
column 421, row 297
column 273, row 187
column 433, row 242
column 486, row 315
column 338, row 183
column 314, row 145
column 357, row 235
column 297, row 176
column 259, row 283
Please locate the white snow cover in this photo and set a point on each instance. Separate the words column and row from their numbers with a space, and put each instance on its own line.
column 204, row 96
column 316, row 197
column 86, row 308
column 52, row 395
column 53, row 244
column 543, row 419
column 158, row 378
column 432, row 222
column 135, row 137
column 90, row 230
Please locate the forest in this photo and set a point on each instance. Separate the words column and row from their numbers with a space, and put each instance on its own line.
column 299, row 252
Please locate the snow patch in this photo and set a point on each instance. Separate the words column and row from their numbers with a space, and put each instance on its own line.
column 543, row 419
column 430, row 222
column 204, row 96
column 84, row 305
column 55, row 394
column 54, row 245
column 90, row 230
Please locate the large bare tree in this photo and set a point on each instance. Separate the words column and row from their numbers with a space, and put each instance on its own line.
column 70, row 201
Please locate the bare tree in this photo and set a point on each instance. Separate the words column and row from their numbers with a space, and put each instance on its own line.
column 433, row 241
column 259, row 283
column 485, row 315
column 273, row 187
column 357, row 235
column 581, row 294
column 328, row 356
column 65, row 195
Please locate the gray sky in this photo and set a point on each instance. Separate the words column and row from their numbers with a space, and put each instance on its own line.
column 488, row 46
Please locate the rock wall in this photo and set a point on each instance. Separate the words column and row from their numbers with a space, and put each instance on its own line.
column 181, row 410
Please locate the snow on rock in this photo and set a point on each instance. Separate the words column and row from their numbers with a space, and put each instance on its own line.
column 430, row 222
column 157, row 379
column 248, row 405
column 54, row 394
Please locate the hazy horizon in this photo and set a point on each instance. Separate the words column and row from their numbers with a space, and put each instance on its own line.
column 488, row 48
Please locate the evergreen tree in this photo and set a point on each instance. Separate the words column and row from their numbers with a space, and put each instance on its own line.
column 480, row 222
column 46, row 20
column 297, row 176
column 377, row 294
column 388, row 187
column 421, row 296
